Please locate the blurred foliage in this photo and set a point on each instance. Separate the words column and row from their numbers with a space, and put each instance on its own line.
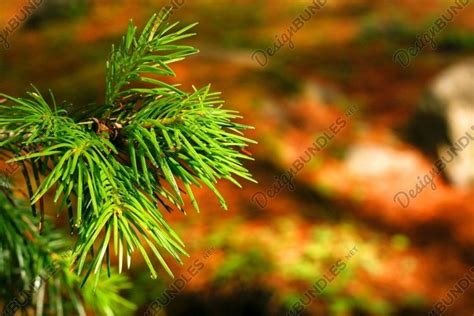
column 241, row 22
column 58, row 10
column 396, row 31
column 271, row 260
column 25, row 255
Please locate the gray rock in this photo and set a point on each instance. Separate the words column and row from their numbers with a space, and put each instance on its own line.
column 444, row 122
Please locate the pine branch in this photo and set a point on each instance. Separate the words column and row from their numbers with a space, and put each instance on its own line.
column 149, row 53
column 117, row 163
column 35, row 272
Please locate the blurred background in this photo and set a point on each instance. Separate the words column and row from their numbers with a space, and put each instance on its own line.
column 266, row 252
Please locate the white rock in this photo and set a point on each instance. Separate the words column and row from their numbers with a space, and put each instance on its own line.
column 453, row 91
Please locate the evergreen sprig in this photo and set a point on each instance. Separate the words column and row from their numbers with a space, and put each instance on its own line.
column 35, row 271
column 118, row 166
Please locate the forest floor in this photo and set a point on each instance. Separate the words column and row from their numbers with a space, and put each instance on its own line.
column 342, row 58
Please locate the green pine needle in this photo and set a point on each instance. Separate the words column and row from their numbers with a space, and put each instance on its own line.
column 131, row 158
